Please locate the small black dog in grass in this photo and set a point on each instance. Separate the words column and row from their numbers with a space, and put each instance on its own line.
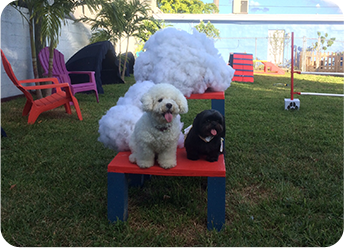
column 205, row 136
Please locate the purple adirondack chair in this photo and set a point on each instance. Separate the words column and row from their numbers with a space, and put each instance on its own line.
column 61, row 73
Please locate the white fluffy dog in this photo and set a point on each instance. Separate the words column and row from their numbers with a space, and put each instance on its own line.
column 156, row 133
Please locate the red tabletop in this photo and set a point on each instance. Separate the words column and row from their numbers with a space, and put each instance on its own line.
column 208, row 95
column 184, row 167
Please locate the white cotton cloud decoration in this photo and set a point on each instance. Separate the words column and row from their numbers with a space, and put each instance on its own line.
column 117, row 125
column 190, row 62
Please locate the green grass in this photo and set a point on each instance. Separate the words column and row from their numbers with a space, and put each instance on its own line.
column 284, row 184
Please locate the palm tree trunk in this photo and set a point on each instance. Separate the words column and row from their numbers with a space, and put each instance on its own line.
column 119, row 55
column 126, row 57
column 51, row 64
column 34, row 57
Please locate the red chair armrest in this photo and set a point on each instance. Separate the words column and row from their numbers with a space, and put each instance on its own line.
column 46, row 86
column 39, row 80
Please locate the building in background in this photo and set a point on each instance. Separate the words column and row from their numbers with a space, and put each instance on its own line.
column 243, row 30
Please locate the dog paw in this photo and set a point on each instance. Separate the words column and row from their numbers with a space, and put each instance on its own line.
column 168, row 165
column 212, row 159
column 132, row 158
column 192, row 157
column 145, row 164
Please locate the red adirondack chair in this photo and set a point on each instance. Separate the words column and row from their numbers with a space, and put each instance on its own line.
column 36, row 107
column 62, row 74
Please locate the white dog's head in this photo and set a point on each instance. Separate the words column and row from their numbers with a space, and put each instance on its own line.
column 165, row 101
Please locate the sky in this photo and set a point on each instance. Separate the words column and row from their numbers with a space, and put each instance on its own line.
column 286, row 7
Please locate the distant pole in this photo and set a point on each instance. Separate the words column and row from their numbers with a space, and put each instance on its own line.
column 292, row 68
column 255, row 52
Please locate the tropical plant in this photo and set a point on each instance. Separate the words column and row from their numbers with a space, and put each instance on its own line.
column 147, row 29
column 187, row 6
column 117, row 19
column 276, row 40
column 320, row 44
column 208, row 29
column 44, row 18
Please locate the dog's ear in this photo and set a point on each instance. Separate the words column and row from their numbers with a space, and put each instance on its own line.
column 197, row 121
column 182, row 103
column 147, row 102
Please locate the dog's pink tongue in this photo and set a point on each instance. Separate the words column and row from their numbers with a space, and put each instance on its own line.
column 213, row 132
column 168, row 117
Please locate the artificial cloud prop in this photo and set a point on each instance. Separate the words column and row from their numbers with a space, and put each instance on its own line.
column 117, row 125
column 190, row 62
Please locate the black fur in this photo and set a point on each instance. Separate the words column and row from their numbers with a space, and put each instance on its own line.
column 202, row 126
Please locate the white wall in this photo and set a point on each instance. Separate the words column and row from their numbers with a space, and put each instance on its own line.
column 15, row 43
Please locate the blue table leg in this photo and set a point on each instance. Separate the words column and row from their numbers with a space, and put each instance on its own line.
column 219, row 105
column 117, row 202
column 136, row 180
column 216, row 202
column 2, row 132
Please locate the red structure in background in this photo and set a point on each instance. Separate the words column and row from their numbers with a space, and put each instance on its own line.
column 270, row 68
column 243, row 65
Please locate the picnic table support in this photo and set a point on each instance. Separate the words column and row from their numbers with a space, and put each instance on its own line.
column 117, row 202
column 216, row 202
column 2, row 132
column 121, row 174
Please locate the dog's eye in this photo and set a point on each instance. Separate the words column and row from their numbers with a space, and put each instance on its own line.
column 160, row 100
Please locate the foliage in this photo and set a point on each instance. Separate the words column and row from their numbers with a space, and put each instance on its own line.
column 276, row 43
column 107, row 23
column 321, row 42
column 119, row 19
column 208, row 29
column 284, row 183
column 44, row 18
column 187, row 6
column 148, row 28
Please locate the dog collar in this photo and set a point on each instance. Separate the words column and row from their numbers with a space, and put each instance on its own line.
column 162, row 129
column 206, row 139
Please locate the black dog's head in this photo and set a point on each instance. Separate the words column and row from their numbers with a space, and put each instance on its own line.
column 209, row 123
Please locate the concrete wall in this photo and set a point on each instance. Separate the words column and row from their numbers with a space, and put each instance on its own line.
column 15, row 45
column 15, row 42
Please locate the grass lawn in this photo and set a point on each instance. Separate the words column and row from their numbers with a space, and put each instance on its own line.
column 284, row 184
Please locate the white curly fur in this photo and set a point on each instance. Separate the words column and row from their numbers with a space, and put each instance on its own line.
column 156, row 133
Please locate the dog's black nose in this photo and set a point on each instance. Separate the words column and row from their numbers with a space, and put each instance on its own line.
column 168, row 105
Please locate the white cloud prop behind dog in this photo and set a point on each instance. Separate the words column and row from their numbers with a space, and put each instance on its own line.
column 116, row 126
column 190, row 62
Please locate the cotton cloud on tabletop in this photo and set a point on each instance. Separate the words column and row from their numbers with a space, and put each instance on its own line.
column 190, row 62
column 117, row 125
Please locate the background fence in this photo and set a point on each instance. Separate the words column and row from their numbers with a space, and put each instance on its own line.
column 263, row 48
column 319, row 61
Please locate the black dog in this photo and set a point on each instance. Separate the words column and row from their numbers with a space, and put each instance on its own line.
column 205, row 136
